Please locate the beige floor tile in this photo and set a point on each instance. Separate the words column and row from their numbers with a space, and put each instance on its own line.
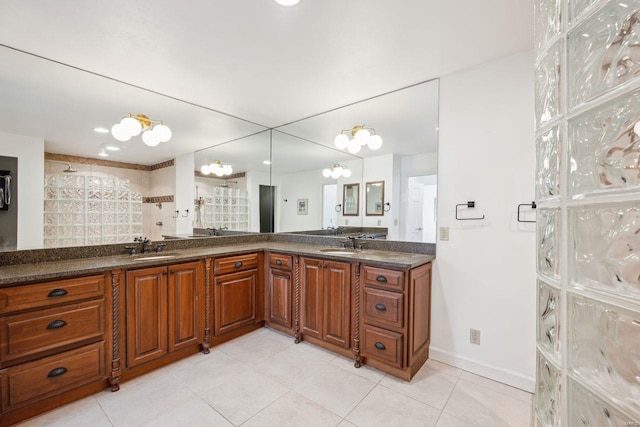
column 146, row 400
column 487, row 408
column 294, row 410
column 443, row 367
column 335, row 389
column 346, row 423
column 277, row 335
column 291, row 366
column 317, row 351
column 192, row 413
column 447, row 420
column 383, row 407
column 516, row 393
column 215, row 369
column 364, row 371
column 253, row 348
column 429, row 386
column 245, row 396
column 81, row 413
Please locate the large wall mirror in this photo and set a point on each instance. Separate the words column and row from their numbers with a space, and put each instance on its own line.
column 60, row 106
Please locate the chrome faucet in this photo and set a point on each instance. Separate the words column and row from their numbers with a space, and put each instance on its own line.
column 352, row 240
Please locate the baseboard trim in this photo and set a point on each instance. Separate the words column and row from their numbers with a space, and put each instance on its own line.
column 505, row 376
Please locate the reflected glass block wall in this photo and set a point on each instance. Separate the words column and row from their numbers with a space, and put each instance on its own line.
column 587, row 80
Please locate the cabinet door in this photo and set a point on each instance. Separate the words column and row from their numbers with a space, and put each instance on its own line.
column 420, row 311
column 337, row 303
column 312, row 297
column 279, row 297
column 186, row 288
column 146, row 308
column 235, row 301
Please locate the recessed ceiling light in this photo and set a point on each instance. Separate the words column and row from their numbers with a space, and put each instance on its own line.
column 287, row 2
column 103, row 153
column 101, row 130
column 267, row 162
column 112, row 148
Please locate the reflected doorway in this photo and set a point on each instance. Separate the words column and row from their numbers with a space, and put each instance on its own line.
column 329, row 202
column 267, row 211
column 421, row 209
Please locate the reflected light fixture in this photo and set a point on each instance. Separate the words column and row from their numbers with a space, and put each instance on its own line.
column 336, row 172
column 287, row 2
column 153, row 131
column 217, row 168
column 360, row 135
column 101, row 130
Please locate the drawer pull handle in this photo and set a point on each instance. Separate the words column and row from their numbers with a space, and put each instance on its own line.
column 278, row 262
column 238, row 264
column 380, row 346
column 57, row 372
column 381, row 279
column 381, row 307
column 57, row 293
column 57, row 324
column 164, row 273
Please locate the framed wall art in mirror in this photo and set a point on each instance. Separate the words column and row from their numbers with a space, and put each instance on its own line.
column 351, row 200
column 374, row 198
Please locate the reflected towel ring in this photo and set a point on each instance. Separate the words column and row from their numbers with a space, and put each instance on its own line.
column 533, row 206
column 387, row 207
column 470, row 204
column 338, row 207
column 186, row 213
column 176, row 215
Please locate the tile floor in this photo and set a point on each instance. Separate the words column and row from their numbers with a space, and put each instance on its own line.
column 264, row 379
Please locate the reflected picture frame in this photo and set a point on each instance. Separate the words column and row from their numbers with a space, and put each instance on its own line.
column 303, row 206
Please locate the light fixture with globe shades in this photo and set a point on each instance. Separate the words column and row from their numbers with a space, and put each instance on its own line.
column 360, row 135
column 153, row 131
column 336, row 172
column 217, row 168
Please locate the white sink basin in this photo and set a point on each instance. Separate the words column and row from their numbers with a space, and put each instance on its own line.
column 339, row 251
column 153, row 256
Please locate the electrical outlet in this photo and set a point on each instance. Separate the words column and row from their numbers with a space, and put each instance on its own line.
column 346, row 222
column 474, row 336
column 444, row 233
column 379, row 222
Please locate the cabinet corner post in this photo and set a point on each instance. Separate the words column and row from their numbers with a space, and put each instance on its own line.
column 116, row 369
column 297, row 334
column 207, row 303
column 356, row 331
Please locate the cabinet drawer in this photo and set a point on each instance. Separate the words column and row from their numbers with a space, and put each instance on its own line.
column 383, row 308
column 384, row 278
column 29, row 333
column 30, row 382
column 283, row 262
column 47, row 294
column 235, row 263
column 382, row 345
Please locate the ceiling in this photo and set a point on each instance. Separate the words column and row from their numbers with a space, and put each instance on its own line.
column 267, row 64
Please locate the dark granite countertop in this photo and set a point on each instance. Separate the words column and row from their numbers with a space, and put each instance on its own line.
column 23, row 273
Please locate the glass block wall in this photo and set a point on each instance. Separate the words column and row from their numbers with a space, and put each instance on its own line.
column 587, row 78
column 224, row 207
column 89, row 210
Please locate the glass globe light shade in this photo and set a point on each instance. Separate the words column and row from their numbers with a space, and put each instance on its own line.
column 163, row 132
column 326, row 173
column 362, row 134
column 227, row 169
column 205, row 169
column 353, row 146
column 346, row 173
column 335, row 174
column 341, row 141
column 636, row 128
column 150, row 138
column 214, row 167
column 339, row 169
column 120, row 133
column 131, row 125
column 219, row 171
column 375, row 142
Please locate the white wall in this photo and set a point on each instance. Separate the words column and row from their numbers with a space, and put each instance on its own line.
column 484, row 276
column 184, row 182
column 30, row 154
column 381, row 168
column 303, row 185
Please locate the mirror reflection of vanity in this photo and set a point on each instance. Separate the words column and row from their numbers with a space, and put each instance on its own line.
column 287, row 161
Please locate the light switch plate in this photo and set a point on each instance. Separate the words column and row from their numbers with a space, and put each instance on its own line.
column 444, row 233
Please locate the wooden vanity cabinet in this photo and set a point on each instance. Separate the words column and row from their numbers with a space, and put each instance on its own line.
column 325, row 301
column 238, row 293
column 54, row 341
column 163, row 313
column 395, row 319
column 279, row 291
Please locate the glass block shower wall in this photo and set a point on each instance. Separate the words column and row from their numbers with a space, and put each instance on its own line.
column 226, row 208
column 89, row 210
column 588, row 233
